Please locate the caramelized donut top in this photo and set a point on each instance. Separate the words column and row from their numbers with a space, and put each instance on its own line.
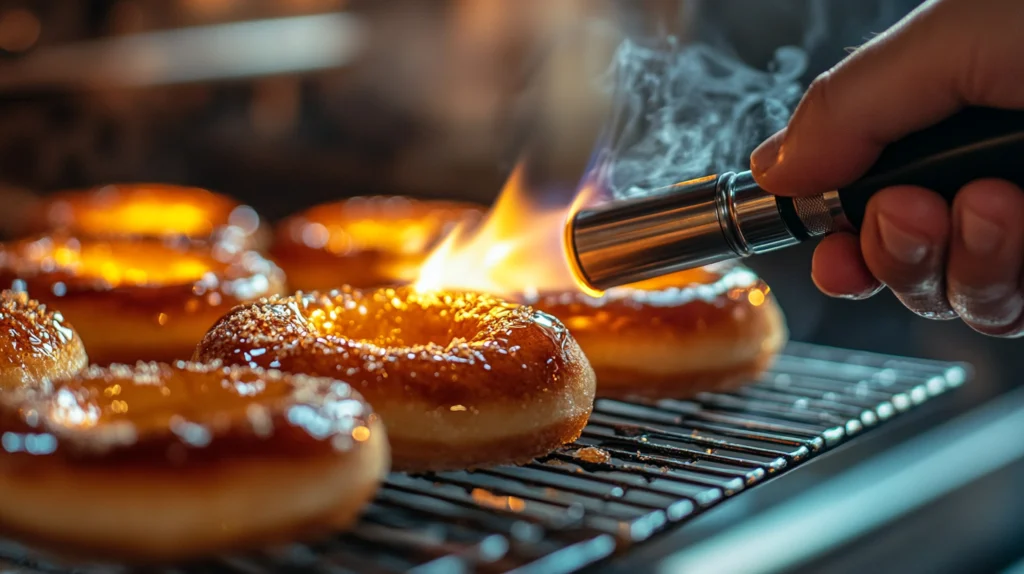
column 395, row 225
column 36, row 343
column 684, row 301
column 444, row 348
column 162, row 415
column 65, row 266
column 145, row 210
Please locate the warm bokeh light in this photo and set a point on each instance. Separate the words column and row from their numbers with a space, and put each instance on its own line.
column 392, row 225
column 361, row 433
column 149, row 218
column 517, row 249
column 405, row 237
column 119, row 263
column 147, row 210
column 756, row 297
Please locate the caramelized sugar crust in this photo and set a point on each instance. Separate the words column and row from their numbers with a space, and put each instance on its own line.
column 36, row 344
column 137, row 299
column 441, row 348
column 364, row 241
column 148, row 210
column 689, row 330
column 186, row 416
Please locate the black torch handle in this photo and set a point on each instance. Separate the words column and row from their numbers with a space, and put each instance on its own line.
column 973, row 144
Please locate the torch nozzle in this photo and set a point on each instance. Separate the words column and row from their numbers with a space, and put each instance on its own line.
column 688, row 225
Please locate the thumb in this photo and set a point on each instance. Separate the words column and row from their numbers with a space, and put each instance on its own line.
column 945, row 55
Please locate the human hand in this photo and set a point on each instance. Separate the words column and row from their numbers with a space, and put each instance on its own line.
column 942, row 262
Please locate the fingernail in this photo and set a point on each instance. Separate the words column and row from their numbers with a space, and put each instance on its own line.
column 980, row 236
column 903, row 246
column 767, row 154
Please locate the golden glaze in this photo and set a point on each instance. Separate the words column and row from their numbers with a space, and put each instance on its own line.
column 148, row 210
column 183, row 416
column 137, row 299
column 448, row 349
column 364, row 241
column 36, row 344
column 722, row 315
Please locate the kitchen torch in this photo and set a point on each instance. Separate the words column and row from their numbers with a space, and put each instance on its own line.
column 727, row 216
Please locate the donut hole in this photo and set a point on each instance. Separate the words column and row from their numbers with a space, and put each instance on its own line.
column 394, row 319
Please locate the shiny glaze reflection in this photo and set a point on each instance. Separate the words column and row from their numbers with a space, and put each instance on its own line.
column 36, row 343
column 158, row 414
column 450, row 349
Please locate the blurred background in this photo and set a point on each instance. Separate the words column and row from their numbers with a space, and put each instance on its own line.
column 289, row 103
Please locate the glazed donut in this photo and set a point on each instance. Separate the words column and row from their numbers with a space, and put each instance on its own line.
column 364, row 241
column 461, row 380
column 677, row 335
column 155, row 462
column 152, row 211
column 136, row 300
column 36, row 344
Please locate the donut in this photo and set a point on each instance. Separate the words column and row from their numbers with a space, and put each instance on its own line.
column 136, row 300
column 157, row 462
column 461, row 380
column 149, row 210
column 36, row 344
column 677, row 335
column 365, row 242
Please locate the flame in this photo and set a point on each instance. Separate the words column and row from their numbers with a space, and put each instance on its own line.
column 517, row 250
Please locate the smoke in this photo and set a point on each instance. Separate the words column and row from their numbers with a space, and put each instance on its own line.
column 689, row 111
column 682, row 111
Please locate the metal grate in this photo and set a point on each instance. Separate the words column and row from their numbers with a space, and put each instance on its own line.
column 669, row 460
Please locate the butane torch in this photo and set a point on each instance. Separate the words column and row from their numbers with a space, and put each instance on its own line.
column 728, row 216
